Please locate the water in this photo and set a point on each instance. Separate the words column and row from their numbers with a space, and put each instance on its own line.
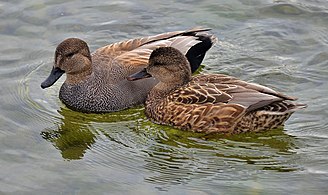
column 48, row 149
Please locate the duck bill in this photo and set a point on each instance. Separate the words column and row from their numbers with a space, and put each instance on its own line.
column 139, row 75
column 55, row 74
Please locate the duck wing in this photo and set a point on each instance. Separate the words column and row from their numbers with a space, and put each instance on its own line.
column 226, row 79
column 134, row 53
column 225, row 90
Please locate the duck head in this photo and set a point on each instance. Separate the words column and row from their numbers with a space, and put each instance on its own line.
column 166, row 64
column 72, row 57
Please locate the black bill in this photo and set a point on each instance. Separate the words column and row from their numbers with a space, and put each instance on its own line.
column 55, row 74
column 139, row 75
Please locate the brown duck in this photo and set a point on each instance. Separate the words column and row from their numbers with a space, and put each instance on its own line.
column 97, row 82
column 210, row 103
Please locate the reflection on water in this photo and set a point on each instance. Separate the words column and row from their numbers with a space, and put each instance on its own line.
column 182, row 156
column 74, row 134
column 174, row 156
column 72, row 137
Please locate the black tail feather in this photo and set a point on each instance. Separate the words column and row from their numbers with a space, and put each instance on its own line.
column 196, row 53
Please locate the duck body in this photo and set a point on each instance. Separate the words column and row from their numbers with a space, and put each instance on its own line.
column 213, row 103
column 96, row 83
column 220, row 104
column 105, row 90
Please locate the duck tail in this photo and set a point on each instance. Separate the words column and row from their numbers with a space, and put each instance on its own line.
column 283, row 107
column 196, row 53
column 298, row 107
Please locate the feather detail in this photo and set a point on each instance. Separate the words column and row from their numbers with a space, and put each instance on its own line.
column 134, row 53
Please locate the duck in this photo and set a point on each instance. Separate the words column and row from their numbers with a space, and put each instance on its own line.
column 209, row 103
column 96, row 82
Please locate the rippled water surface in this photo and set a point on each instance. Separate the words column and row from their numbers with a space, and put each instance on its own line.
column 48, row 149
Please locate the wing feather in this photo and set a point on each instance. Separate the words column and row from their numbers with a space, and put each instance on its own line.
column 218, row 89
column 134, row 53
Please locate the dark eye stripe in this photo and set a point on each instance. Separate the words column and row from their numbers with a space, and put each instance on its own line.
column 69, row 55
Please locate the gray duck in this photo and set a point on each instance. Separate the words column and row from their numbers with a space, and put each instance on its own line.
column 96, row 83
column 211, row 103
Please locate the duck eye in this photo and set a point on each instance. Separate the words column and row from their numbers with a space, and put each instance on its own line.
column 69, row 55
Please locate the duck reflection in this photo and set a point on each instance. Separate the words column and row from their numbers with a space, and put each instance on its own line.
column 72, row 137
column 75, row 134
column 172, row 156
column 179, row 157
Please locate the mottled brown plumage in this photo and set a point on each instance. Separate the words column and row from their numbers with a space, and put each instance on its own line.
column 213, row 103
column 97, row 82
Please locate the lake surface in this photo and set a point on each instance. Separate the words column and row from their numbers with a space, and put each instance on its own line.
column 48, row 149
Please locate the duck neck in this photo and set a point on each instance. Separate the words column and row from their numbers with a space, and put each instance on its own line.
column 161, row 90
column 79, row 77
